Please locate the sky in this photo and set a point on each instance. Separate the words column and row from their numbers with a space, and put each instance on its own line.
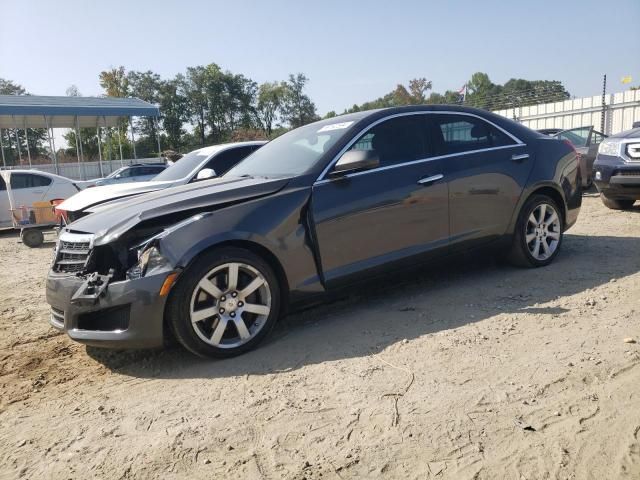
column 352, row 51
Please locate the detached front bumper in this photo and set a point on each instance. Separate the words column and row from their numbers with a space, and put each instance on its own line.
column 125, row 314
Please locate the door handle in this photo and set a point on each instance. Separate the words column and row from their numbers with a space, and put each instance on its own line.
column 431, row 179
column 519, row 158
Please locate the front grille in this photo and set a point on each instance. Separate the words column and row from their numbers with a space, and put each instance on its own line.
column 629, row 172
column 72, row 254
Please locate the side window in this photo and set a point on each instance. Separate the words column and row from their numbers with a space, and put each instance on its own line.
column 461, row 133
column 596, row 138
column 126, row 173
column 400, row 139
column 29, row 180
column 229, row 158
column 149, row 170
column 3, row 186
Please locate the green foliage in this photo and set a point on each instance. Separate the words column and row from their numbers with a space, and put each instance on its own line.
column 481, row 93
column 7, row 87
column 11, row 138
column 297, row 109
column 271, row 98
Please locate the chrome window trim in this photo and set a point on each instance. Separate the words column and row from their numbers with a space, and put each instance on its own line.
column 423, row 160
column 321, row 177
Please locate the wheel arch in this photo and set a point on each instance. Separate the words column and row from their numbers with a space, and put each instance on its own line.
column 262, row 252
column 545, row 189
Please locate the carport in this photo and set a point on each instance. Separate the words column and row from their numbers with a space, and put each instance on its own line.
column 31, row 111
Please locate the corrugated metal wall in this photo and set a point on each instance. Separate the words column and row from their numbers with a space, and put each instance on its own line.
column 621, row 110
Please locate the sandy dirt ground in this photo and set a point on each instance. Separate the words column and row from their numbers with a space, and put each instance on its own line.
column 468, row 370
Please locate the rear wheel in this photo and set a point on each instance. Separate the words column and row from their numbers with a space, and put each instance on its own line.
column 538, row 235
column 617, row 204
column 226, row 302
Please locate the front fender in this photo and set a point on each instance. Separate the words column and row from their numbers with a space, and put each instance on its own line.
column 276, row 223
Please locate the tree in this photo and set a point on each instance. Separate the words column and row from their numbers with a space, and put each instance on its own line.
column 271, row 97
column 173, row 110
column 35, row 136
column 88, row 136
column 297, row 109
column 115, row 82
column 418, row 88
column 7, row 87
column 73, row 91
column 195, row 91
column 145, row 86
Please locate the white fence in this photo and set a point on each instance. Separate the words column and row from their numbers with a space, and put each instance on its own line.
column 621, row 110
column 88, row 170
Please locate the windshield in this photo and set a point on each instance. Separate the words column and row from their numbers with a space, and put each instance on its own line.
column 293, row 153
column 113, row 174
column 183, row 167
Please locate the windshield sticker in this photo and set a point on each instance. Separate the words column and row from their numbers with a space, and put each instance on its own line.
column 334, row 126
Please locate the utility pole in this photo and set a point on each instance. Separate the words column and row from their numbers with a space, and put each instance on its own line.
column 604, row 106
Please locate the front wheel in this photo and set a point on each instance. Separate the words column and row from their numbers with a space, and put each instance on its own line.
column 613, row 204
column 226, row 302
column 538, row 234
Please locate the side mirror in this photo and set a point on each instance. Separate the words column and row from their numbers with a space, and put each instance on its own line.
column 206, row 173
column 356, row 160
column 118, row 175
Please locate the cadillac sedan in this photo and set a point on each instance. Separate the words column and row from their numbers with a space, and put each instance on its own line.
column 216, row 263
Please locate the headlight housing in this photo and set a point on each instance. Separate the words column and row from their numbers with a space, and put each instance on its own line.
column 609, row 147
column 150, row 262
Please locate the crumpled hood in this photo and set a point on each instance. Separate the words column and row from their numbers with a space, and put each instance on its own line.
column 91, row 196
column 110, row 222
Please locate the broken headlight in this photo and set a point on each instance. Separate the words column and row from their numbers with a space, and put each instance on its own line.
column 150, row 262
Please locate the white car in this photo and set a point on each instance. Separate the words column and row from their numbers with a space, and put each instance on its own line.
column 197, row 165
column 30, row 186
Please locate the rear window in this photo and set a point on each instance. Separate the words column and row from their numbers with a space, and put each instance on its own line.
column 29, row 180
column 461, row 133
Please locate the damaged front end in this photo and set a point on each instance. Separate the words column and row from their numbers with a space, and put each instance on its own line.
column 113, row 294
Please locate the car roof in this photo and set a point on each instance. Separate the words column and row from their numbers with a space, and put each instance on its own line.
column 37, row 172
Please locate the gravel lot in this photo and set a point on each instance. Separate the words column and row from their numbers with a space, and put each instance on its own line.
column 468, row 370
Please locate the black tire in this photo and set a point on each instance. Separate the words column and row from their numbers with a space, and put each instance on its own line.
column 177, row 313
column 619, row 204
column 32, row 237
column 520, row 255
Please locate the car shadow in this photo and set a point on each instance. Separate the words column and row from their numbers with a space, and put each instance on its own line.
column 403, row 307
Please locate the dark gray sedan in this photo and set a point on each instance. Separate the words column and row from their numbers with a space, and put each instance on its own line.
column 327, row 205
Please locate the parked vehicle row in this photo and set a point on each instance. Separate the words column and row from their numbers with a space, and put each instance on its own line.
column 200, row 164
column 215, row 263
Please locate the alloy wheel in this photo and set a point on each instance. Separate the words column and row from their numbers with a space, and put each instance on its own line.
column 230, row 305
column 542, row 234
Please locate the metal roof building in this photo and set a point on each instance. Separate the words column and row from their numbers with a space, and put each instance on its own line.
column 32, row 111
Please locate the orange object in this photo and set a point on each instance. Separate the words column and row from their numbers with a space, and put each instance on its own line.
column 43, row 212
column 168, row 283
